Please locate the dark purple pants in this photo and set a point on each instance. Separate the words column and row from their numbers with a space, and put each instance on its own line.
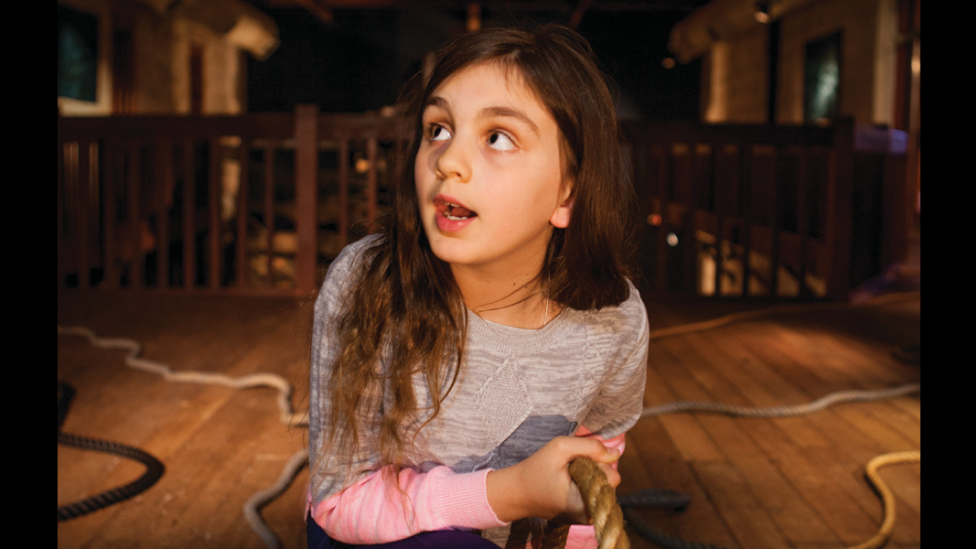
column 444, row 539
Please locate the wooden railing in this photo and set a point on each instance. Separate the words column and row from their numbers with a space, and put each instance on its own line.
column 257, row 203
column 261, row 203
column 772, row 211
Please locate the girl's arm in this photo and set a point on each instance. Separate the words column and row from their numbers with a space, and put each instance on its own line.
column 372, row 511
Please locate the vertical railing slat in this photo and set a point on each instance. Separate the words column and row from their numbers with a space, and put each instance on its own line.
column 213, row 203
column 689, row 254
column 82, row 203
column 242, row 213
column 189, row 214
column 802, row 216
column 745, row 213
column 718, row 209
column 164, row 190
column 109, row 218
column 343, row 193
column 773, row 222
column 371, row 191
column 840, row 209
column 133, row 182
column 69, row 151
column 306, row 195
column 269, row 218
column 61, row 207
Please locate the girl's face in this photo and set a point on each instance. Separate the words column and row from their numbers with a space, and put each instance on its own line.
column 489, row 172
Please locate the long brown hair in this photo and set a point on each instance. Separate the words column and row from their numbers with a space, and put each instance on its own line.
column 406, row 308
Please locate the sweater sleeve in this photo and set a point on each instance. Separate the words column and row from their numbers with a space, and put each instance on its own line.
column 348, row 497
column 374, row 511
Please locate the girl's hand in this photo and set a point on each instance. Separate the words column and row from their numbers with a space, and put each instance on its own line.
column 541, row 486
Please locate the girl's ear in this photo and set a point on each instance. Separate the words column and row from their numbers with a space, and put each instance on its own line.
column 560, row 217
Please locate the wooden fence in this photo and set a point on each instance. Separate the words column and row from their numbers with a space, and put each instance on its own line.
column 768, row 211
column 256, row 203
column 260, row 203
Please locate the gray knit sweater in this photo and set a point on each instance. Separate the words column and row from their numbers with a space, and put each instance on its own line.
column 517, row 389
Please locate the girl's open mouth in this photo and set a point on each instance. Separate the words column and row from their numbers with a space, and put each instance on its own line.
column 451, row 215
column 455, row 212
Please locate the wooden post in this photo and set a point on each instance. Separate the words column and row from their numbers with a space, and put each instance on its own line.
column 371, row 192
column 773, row 222
column 803, row 205
column 164, row 192
column 61, row 196
column 689, row 233
column 343, row 193
column 746, row 212
column 109, row 220
column 242, row 213
column 269, row 219
column 840, row 186
column 83, row 202
column 189, row 215
column 306, row 195
column 134, row 181
column 213, row 199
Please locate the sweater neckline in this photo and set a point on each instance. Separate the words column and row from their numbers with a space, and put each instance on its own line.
column 511, row 340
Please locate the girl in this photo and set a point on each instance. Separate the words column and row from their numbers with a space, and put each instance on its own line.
column 457, row 352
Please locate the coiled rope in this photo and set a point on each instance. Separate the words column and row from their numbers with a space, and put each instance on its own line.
column 154, row 469
column 286, row 415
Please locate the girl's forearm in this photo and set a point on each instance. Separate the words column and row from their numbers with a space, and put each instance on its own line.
column 374, row 511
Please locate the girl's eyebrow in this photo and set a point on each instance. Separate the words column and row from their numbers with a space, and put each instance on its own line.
column 488, row 112
column 508, row 112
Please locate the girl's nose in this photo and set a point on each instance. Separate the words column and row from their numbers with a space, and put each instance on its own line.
column 453, row 162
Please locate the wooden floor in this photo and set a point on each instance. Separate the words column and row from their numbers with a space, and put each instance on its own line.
column 754, row 483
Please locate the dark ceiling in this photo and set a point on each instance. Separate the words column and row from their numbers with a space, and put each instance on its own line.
column 354, row 55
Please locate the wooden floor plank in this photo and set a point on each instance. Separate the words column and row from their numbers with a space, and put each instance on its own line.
column 796, row 518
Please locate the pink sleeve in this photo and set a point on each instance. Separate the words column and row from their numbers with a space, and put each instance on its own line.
column 582, row 536
column 371, row 512
column 368, row 512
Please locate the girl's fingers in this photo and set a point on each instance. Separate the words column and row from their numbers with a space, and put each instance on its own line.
column 613, row 477
column 573, row 447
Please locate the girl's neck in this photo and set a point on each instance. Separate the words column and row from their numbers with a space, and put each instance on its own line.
column 515, row 298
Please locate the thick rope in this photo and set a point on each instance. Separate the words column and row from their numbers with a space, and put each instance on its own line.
column 274, row 381
column 887, row 498
column 252, row 509
column 780, row 411
column 154, row 469
column 287, row 416
column 601, row 505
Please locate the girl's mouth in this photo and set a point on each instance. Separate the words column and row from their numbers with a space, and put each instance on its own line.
column 453, row 211
column 452, row 216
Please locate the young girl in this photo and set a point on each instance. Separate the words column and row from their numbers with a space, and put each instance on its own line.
column 487, row 335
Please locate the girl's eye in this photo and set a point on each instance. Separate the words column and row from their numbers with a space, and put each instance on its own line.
column 438, row 133
column 500, row 142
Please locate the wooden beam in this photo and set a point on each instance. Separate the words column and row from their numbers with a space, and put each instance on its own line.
column 306, row 195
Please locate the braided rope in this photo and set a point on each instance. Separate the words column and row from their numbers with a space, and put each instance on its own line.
column 601, row 505
column 887, row 498
column 287, row 416
column 780, row 411
column 274, row 381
